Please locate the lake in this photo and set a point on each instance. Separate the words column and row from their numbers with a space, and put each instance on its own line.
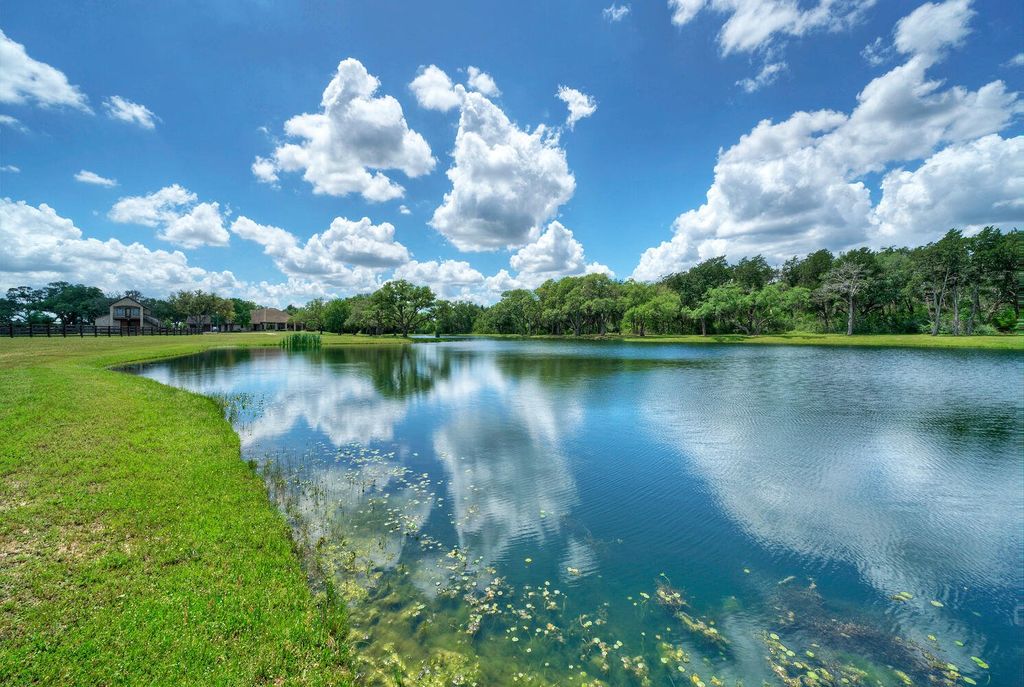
column 657, row 514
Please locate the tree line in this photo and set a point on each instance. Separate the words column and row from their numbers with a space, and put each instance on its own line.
column 956, row 285
column 74, row 304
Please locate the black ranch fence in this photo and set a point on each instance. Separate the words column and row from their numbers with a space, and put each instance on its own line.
column 83, row 330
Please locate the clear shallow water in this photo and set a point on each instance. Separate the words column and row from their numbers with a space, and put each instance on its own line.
column 785, row 493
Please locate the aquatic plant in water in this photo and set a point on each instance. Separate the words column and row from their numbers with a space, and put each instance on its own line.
column 425, row 613
column 301, row 341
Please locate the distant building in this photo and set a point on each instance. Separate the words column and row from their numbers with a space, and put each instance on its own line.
column 268, row 318
column 201, row 323
column 204, row 323
column 127, row 313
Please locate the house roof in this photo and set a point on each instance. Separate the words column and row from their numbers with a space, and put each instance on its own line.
column 127, row 301
column 264, row 315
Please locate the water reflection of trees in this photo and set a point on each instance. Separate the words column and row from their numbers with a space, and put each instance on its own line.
column 396, row 371
column 567, row 370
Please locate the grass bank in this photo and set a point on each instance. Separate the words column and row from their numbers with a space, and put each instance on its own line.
column 1007, row 342
column 1004, row 343
column 135, row 545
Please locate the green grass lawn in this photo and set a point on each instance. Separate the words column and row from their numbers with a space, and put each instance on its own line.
column 1004, row 342
column 136, row 547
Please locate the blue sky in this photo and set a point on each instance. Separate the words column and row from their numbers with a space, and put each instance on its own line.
column 667, row 89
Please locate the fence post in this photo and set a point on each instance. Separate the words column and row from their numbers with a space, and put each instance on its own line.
column 47, row 330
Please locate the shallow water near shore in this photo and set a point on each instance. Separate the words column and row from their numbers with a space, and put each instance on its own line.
column 606, row 513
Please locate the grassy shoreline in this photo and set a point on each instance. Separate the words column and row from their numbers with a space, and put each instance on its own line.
column 1004, row 342
column 135, row 546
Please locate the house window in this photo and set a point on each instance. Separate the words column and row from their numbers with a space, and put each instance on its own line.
column 123, row 312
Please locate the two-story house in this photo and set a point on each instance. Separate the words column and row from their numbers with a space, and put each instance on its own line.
column 127, row 313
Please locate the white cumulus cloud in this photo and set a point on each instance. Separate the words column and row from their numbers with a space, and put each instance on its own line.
column 264, row 170
column 349, row 254
column 41, row 246
column 933, row 27
column 968, row 186
column 755, row 24
column 87, row 177
column 791, row 187
column 125, row 110
column 506, row 181
column 769, row 73
column 449, row 279
column 615, row 13
column 174, row 210
column 556, row 253
column 25, row 80
column 579, row 103
column 481, row 82
column 12, row 123
column 344, row 148
column 434, row 89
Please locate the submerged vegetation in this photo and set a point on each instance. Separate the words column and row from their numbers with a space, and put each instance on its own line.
column 434, row 615
column 301, row 341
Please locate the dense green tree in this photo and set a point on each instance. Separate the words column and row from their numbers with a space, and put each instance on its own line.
column 336, row 314
column 753, row 273
column 222, row 312
column 807, row 272
column 243, row 311
column 403, row 306
column 27, row 302
column 8, row 310
column 693, row 284
column 454, row 317
column 653, row 310
column 364, row 315
column 73, row 303
column 196, row 308
column 313, row 315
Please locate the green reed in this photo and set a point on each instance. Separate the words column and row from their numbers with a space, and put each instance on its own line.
column 301, row 341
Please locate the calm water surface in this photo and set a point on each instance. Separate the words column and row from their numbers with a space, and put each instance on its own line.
column 570, row 512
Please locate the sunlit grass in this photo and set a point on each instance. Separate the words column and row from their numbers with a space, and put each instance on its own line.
column 1009, row 342
column 136, row 547
column 1004, row 342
